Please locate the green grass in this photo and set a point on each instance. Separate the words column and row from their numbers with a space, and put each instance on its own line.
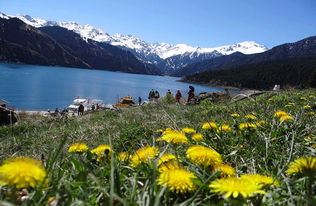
column 77, row 179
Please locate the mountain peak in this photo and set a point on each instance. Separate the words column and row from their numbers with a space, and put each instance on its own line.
column 154, row 53
column 3, row 16
column 163, row 50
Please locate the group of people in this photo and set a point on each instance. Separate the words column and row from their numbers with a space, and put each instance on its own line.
column 65, row 111
column 154, row 95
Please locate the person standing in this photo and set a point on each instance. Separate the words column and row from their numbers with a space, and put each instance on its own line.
column 139, row 100
column 178, row 96
column 190, row 93
column 151, row 95
column 80, row 109
column 156, row 96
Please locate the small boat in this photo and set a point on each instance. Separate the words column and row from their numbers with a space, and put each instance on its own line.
column 88, row 104
column 125, row 102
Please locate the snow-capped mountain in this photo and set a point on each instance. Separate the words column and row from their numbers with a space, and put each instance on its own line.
column 166, row 56
column 85, row 31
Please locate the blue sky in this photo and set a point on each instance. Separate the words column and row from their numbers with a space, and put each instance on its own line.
column 204, row 23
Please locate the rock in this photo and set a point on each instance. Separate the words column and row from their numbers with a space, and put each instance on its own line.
column 7, row 116
column 211, row 96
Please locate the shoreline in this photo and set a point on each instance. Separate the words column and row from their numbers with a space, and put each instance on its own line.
column 220, row 86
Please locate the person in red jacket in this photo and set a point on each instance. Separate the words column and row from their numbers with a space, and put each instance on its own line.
column 178, row 96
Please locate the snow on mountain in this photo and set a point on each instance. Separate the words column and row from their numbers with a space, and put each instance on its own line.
column 131, row 42
column 246, row 47
column 3, row 16
column 165, row 50
column 155, row 53
column 35, row 22
column 85, row 31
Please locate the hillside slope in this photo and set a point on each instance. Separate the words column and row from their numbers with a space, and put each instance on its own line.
column 98, row 55
column 24, row 44
column 295, row 72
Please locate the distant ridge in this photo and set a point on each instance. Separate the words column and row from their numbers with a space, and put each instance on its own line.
column 292, row 64
column 302, row 48
column 299, row 72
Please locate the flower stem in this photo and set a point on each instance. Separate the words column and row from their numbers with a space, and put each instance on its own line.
column 310, row 191
column 175, row 150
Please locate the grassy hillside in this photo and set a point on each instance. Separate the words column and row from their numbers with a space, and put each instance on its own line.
column 239, row 145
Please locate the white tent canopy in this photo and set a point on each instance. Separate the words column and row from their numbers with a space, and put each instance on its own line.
column 2, row 102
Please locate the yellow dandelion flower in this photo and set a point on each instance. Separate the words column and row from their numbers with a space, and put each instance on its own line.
column 261, row 122
column 22, row 172
column 303, row 98
column 170, row 165
column 250, row 116
column 102, row 149
column 209, row 126
column 260, row 179
column 270, row 99
column 168, row 130
column 235, row 115
column 143, row 155
column 304, row 165
column 311, row 96
column 175, row 137
column 247, row 125
column 224, row 128
column 306, row 106
column 78, row 147
column 291, row 103
column 177, row 180
column 159, row 139
column 159, row 131
column 166, row 158
column 103, row 152
column 286, row 118
column 225, row 169
column 123, row 156
column 188, row 130
column 198, row 137
column 235, row 187
column 203, row 155
column 280, row 113
column 311, row 113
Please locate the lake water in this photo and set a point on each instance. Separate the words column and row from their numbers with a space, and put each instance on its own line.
column 30, row 87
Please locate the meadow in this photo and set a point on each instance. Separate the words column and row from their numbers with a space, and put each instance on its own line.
column 259, row 151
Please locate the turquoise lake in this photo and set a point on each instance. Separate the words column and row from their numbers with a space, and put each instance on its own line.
column 30, row 87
